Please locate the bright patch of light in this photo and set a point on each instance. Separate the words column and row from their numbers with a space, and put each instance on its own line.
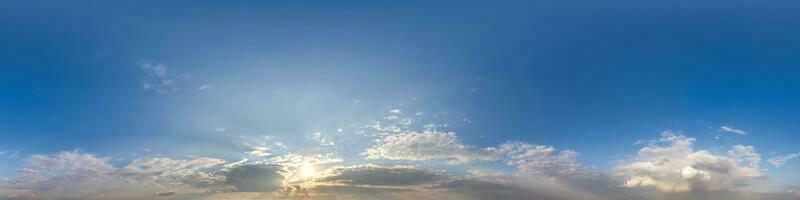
column 307, row 171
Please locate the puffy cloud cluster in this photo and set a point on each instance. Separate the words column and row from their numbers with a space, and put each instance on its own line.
column 672, row 165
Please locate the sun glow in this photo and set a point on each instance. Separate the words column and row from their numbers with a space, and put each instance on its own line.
column 307, row 171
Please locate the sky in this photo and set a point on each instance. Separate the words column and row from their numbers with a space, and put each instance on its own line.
column 571, row 99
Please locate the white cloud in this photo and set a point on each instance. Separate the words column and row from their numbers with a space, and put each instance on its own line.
column 43, row 170
column 171, row 172
column 322, row 139
column 730, row 129
column 262, row 146
column 73, row 175
column 205, row 87
column 545, row 161
column 777, row 161
column 531, row 160
column 158, row 79
column 428, row 145
column 255, row 177
column 672, row 165
column 259, row 151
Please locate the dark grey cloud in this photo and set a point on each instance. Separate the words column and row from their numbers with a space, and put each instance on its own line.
column 256, row 177
column 381, row 176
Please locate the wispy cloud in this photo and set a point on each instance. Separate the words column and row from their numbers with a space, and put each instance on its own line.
column 777, row 161
column 205, row 87
column 74, row 175
column 730, row 129
column 8, row 153
column 159, row 79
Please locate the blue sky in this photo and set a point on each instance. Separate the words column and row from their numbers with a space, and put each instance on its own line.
column 125, row 81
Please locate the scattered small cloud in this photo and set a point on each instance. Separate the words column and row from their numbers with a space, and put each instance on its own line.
column 323, row 139
column 159, row 79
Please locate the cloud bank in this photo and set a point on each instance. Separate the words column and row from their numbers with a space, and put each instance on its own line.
column 666, row 168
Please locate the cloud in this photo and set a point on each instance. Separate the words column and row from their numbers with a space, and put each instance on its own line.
column 256, row 177
column 543, row 172
column 730, row 129
column 545, row 161
column 500, row 186
column 672, row 165
column 44, row 172
column 529, row 159
column 74, row 175
column 428, row 145
column 374, row 175
column 322, row 139
column 167, row 171
column 777, row 161
column 262, row 146
column 205, row 87
column 406, row 182
column 8, row 153
column 158, row 79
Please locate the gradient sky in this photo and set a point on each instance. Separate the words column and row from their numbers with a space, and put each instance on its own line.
column 257, row 80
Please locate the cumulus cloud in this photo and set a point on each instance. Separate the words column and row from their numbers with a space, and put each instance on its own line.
column 730, row 129
column 672, row 165
column 777, row 161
